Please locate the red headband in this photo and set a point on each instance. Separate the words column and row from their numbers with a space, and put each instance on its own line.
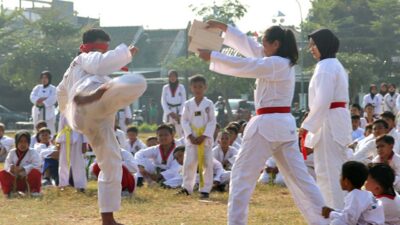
column 90, row 46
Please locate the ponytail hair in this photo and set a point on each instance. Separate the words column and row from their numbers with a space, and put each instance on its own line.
column 288, row 47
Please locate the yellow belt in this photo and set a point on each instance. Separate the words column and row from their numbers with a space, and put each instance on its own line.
column 67, row 131
column 200, row 153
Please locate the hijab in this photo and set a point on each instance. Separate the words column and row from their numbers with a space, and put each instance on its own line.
column 48, row 74
column 326, row 42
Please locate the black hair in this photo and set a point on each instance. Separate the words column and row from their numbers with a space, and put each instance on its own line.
column 355, row 117
column 179, row 149
column 380, row 121
column 355, row 172
column 41, row 122
column 388, row 115
column 44, row 129
column 369, row 105
column 236, row 124
column 197, row 79
column 384, row 175
column 287, row 47
column 95, row 34
column 372, row 86
column 386, row 139
column 355, row 105
column 151, row 138
column 132, row 129
column 326, row 42
column 20, row 134
column 172, row 127
column 391, row 84
column 232, row 128
column 165, row 127
column 368, row 126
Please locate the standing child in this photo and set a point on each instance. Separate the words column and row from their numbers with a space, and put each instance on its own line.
column 72, row 169
column 380, row 182
column 385, row 144
column 89, row 99
column 22, row 166
column 198, row 123
column 133, row 144
column 361, row 207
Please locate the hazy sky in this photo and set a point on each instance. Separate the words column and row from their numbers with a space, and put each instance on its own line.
column 156, row 14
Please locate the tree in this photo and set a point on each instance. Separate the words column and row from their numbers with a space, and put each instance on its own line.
column 228, row 12
column 369, row 31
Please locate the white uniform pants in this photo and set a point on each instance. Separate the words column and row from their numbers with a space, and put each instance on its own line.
column 96, row 122
column 329, row 156
column 77, row 166
column 190, row 165
column 251, row 160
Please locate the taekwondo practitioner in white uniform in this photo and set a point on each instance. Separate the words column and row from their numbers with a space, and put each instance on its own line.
column 44, row 98
column 173, row 97
column 390, row 99
column 271, row 64
column 329, row 117
column 374, row 98
column 198, row 122
column 89, row 99
column 72, row 160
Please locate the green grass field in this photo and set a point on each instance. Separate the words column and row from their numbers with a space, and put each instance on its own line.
column 270, row 205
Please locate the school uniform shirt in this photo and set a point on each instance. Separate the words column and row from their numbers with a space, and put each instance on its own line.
column 129, row 161
column 199, row 116
column 7, row 143
column 361, row 208
column 365, row 151
column 49, row 92
column 389, row 102
column 391, row 207
column 155, row 156
column 172, row 102
column 394, row 162
column 30, row 161
column 134, row 147
column 221, row 157
column 376, row 102
column 356, row 134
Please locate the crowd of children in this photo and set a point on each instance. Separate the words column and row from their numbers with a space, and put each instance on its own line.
column 192, row 152
column 372, row 178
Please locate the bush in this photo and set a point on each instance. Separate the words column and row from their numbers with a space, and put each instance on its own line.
column 145, row 127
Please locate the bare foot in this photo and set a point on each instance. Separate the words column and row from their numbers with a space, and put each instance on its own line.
column 108, row 219
column 86, row 99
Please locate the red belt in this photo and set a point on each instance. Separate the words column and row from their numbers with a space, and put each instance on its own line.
column 269, row 110
column 335, row 105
